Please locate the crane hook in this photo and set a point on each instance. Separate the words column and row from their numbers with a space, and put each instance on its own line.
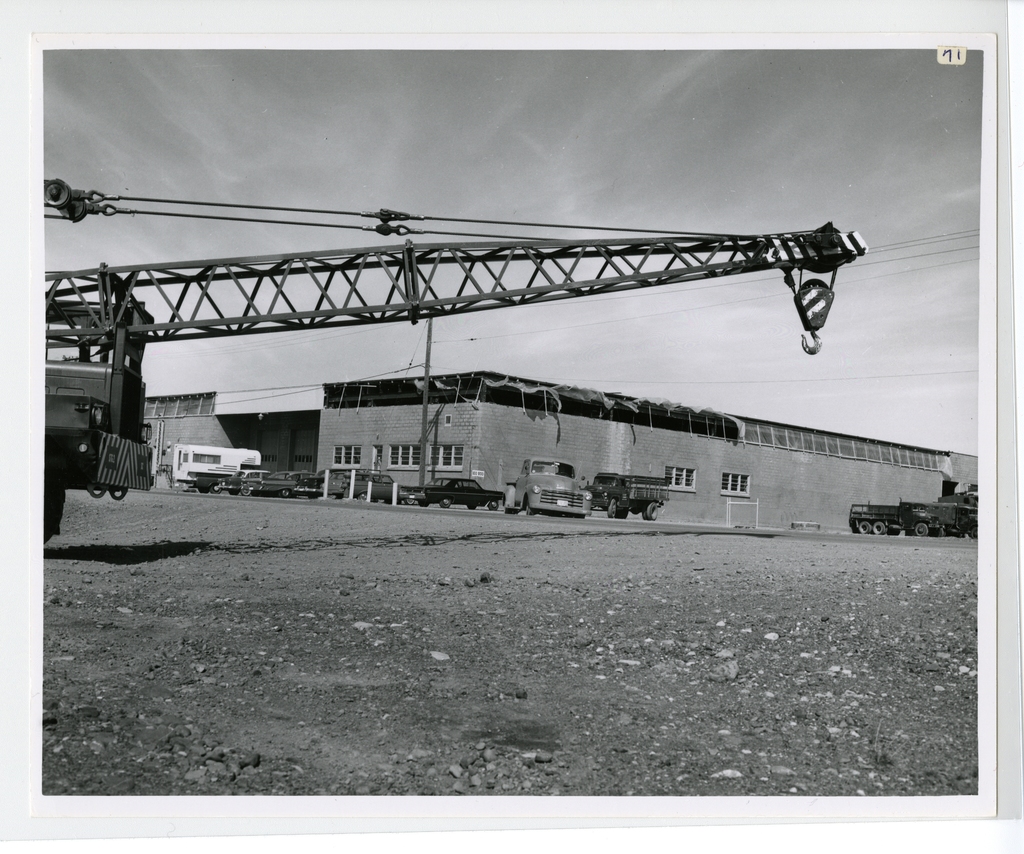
column 811, row 349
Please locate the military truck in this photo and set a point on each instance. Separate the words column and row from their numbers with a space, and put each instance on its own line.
column 915, row 518
column 96, row 437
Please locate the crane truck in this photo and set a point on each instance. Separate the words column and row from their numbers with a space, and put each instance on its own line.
column 96, row 438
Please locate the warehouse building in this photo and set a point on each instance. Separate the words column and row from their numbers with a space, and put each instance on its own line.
column 720, row 468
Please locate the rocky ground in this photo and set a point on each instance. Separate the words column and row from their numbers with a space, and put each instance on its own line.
column 217, row 645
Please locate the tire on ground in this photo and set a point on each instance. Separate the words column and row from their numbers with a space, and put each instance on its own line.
column 53, row 509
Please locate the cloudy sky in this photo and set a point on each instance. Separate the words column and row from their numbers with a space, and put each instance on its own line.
column 884, row 142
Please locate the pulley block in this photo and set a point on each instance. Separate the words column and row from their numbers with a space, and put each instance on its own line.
column 813, row 301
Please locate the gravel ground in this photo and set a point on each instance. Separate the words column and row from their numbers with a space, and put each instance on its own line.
column 217, row 645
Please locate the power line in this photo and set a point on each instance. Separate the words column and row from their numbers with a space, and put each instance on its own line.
column 288, row 390
column 549, row 329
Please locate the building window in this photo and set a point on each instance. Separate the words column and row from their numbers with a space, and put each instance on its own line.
column 303, row 458
column 446, row 457
column 177, row 407
column 347, row 455
column 448, row 421
column 404, row 456
column 679, row 477
column 735, row 484
column 213, row 459
column 378, row 457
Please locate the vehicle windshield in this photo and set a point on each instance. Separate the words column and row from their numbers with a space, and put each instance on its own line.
column 549, row 467
column 605, row 480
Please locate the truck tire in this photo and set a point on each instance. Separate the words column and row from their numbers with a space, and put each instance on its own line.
column 651, row 511
column 879, row 528
column 921, row 529
column 53, row 509
column 613, row 508
column 973, row 533
column 527, row 509
column 864, row 526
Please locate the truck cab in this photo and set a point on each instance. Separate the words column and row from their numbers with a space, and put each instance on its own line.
column 95, row 436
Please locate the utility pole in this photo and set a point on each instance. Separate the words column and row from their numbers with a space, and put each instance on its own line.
column 424, row 438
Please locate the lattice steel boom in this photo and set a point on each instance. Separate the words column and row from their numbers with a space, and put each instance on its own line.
column 238, row 296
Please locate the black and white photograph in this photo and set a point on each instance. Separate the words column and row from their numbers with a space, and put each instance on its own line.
column 430, row 421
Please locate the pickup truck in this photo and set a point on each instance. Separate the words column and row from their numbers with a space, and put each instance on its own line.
column 915, row 518
column 622, row 494
column 547, row 485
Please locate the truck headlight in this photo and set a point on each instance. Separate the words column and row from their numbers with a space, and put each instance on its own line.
column 98, row 415
column 535, row 489
column 587, row 496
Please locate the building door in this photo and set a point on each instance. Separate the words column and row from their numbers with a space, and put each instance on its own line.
column 266, row 444
column 303, row 449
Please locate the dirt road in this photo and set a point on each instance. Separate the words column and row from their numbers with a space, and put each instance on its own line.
column 222, row 645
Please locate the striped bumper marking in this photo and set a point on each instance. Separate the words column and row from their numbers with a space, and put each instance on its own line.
column 123, row 463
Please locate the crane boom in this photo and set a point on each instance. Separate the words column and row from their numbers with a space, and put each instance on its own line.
column 238, row 296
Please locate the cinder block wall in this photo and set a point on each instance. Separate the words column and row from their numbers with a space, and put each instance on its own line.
column 789, row 486
column 402, row 425
column 191, row 430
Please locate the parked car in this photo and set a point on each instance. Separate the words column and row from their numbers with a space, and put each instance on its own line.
column 311, row 485
column 379, row 485
column 234, row 484
column 204, row 481
column 448, row 491
column 280, row 484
